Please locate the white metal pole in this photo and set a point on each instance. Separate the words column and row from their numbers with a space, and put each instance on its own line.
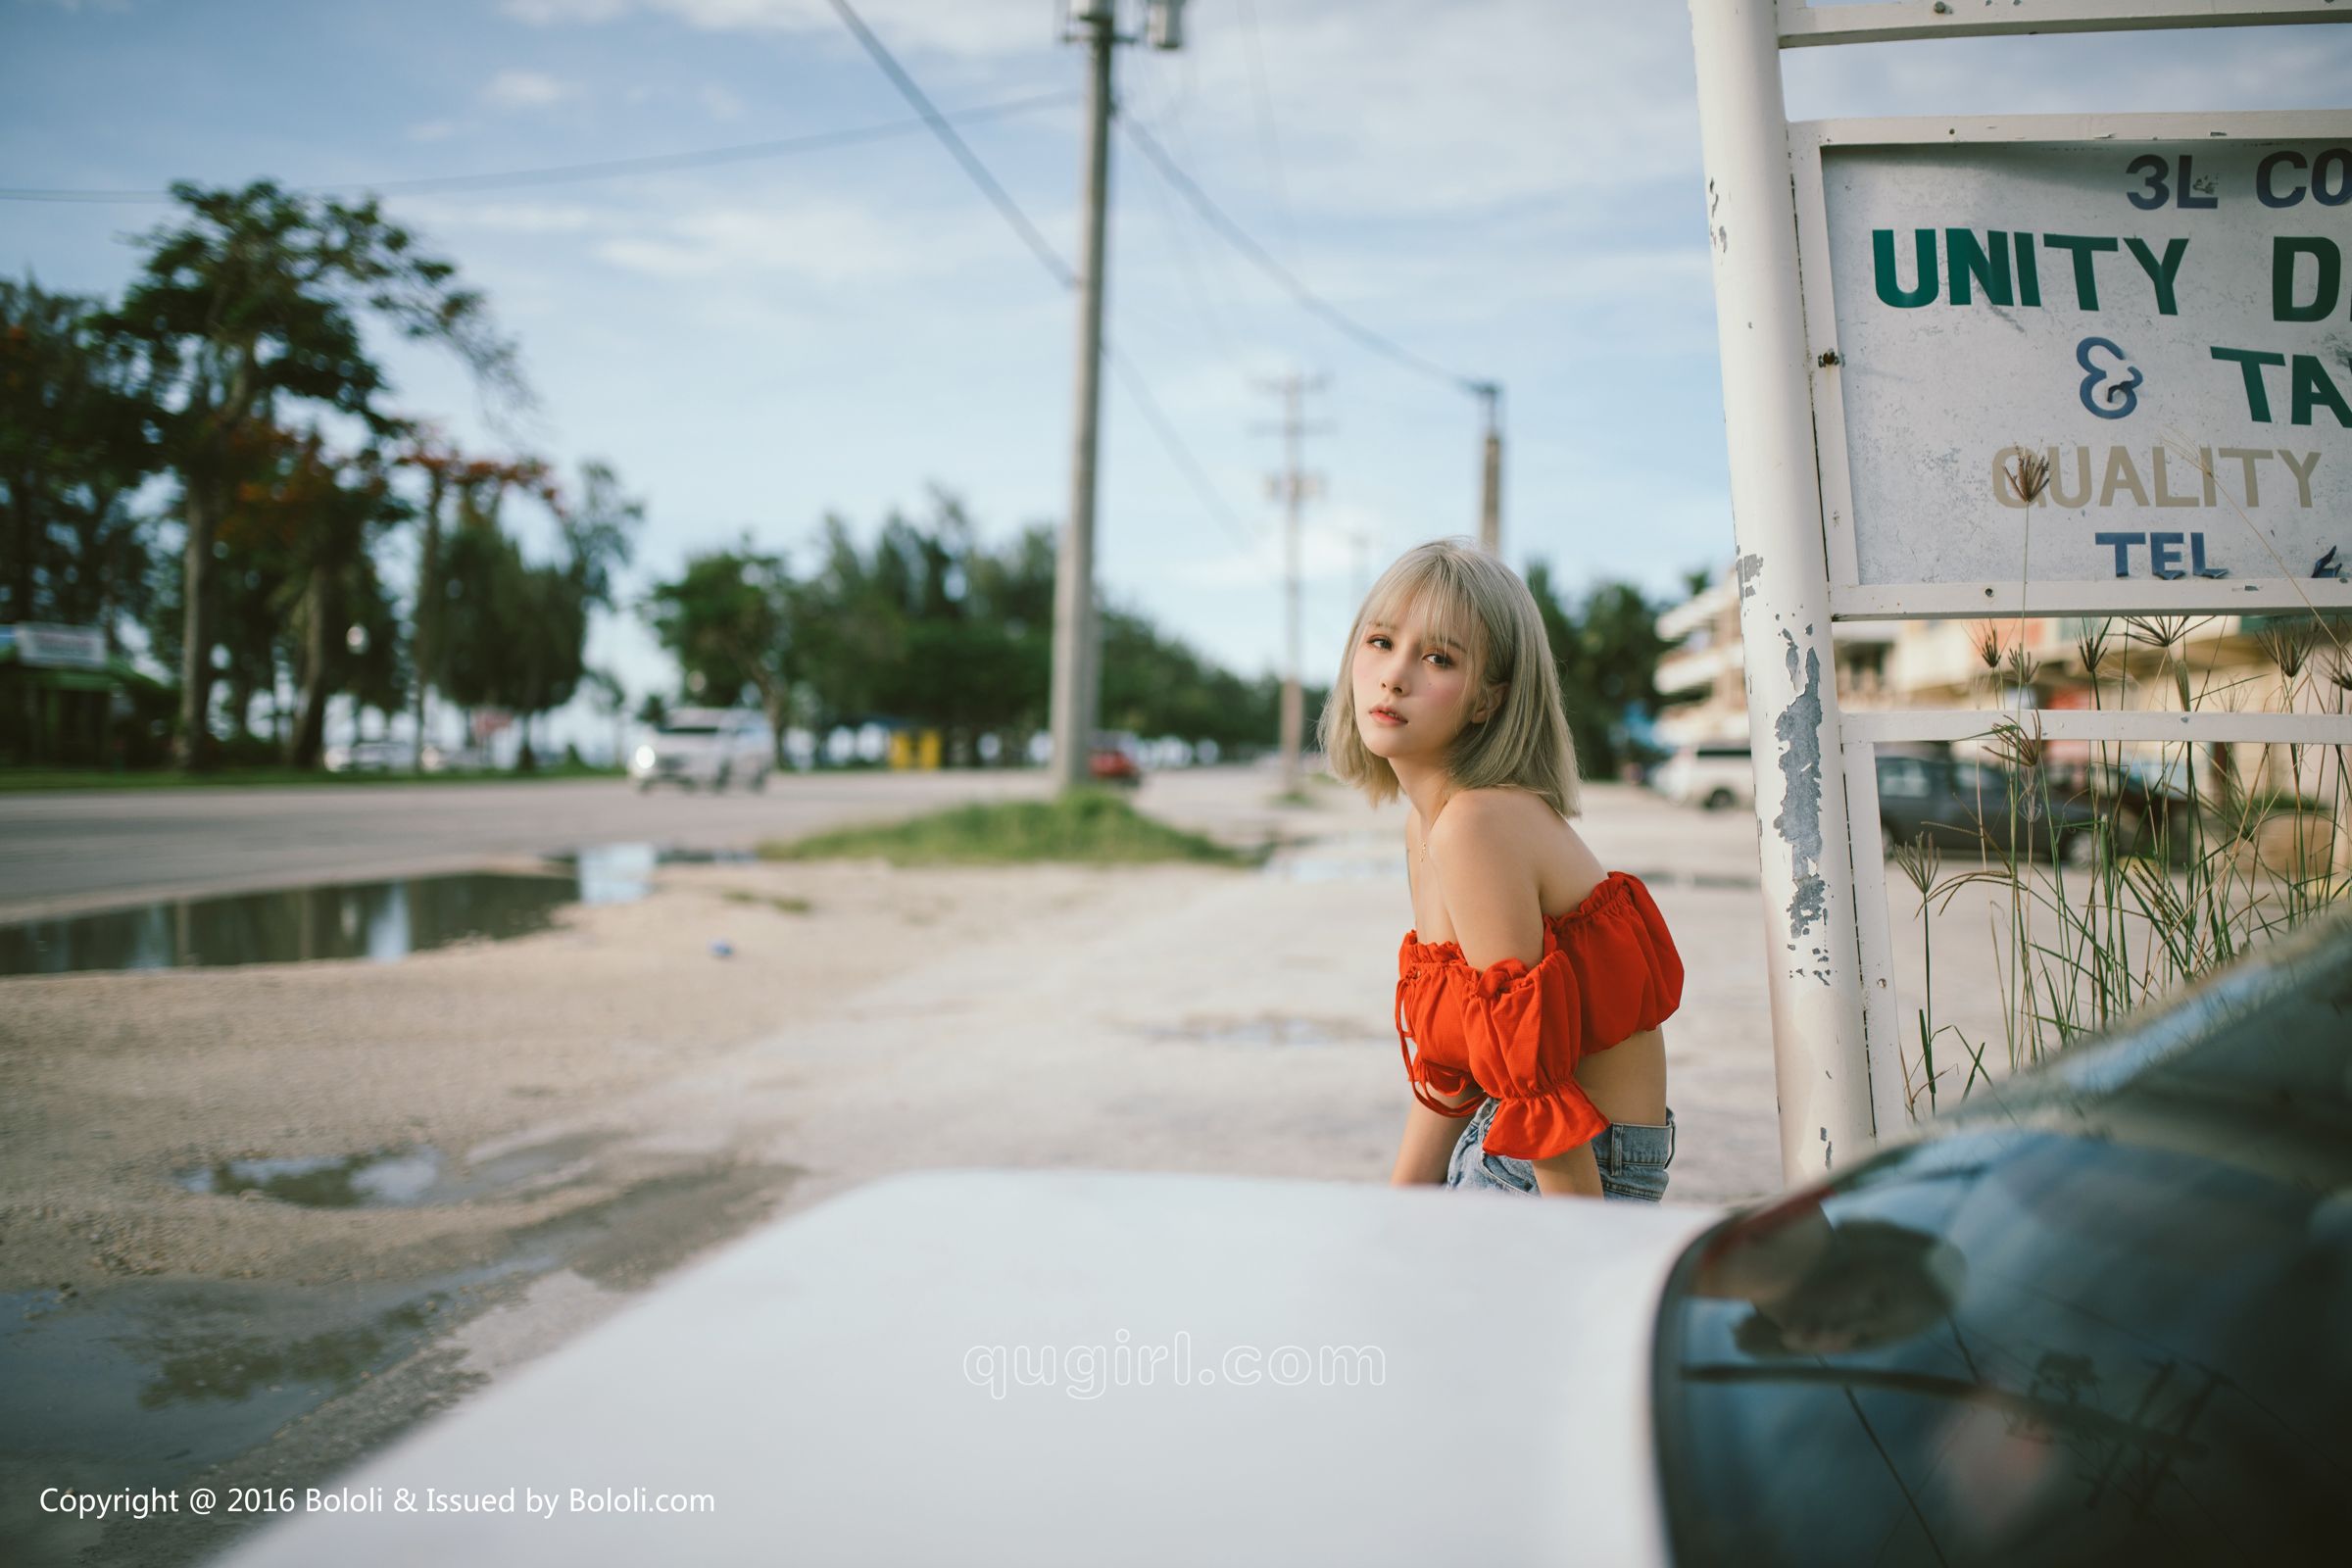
column 1812, row 962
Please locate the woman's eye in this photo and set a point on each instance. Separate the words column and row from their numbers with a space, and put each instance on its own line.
column 1442, row 661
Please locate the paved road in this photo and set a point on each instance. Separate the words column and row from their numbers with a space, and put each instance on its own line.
column 68, row 850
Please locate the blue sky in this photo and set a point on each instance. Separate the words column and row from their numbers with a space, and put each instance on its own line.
column 1508, row 187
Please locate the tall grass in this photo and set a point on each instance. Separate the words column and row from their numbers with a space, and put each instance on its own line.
column 2154, row 899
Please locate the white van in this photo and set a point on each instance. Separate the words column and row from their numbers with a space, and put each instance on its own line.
column 1715, row 775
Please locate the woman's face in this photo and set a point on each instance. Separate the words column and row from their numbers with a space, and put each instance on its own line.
column 1413, row 693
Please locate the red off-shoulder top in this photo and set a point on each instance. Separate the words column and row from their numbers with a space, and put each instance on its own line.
column 1608, row 972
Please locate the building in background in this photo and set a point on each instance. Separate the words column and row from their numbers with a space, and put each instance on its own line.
column 67, row 699
column 2233, row 663
column 1707, row 669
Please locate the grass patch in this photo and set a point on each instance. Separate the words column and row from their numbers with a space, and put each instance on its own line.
column 93, row 779
column 781, row 903
column 1087, row 826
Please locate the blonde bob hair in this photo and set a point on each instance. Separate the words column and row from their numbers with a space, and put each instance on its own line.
column 1473, row 601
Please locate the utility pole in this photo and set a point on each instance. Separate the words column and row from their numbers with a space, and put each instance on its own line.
column 1294, row 488
column 1489, row 503
column 1076, row 695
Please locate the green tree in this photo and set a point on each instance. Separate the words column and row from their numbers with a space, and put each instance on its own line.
column 729, row 618
column 253, row 299
column 930, row 626
column 316, row 516
column 77, row 438
column 460, row 492
column 1608, row 650
column 511, row 634
column 1154, row 684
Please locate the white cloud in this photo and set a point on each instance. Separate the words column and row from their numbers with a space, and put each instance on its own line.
column 721, row 104
column 506, row 216
column 1386, row 107
column 434, row 130
column 979, row 30
column 829, row 244
column 525, row 90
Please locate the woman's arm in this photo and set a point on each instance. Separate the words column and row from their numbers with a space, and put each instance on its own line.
column 1427, row 1148
column 1490, row 888
column 1575, row 1174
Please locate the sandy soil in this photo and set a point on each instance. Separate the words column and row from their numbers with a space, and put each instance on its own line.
column 119, row 1082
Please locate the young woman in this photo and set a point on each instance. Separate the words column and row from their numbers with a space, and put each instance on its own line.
column 1531, row 988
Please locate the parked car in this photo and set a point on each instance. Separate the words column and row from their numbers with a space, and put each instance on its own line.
column 1717, row 776
column 1116, row 759
column 2097, row 1316
column 2147, row 803
column 1957, row 803
column 704, row 745
column 456, row 759
column 371, row 756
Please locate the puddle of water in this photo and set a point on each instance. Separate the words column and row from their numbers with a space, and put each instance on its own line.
column 1268, row 1030
column 375, row 921
column 145, row 1385
column 394, row 1178
column 389, row 1178
column 615, row 873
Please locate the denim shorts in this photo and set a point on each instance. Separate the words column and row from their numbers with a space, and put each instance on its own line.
column 1633, row 1158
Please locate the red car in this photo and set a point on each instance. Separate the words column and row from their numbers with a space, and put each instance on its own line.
column 1112, row 761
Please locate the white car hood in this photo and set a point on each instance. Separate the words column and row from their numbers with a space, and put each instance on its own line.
column 816, row 1381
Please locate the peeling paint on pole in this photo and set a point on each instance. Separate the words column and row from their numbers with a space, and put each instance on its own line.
column 1798, row 730
column 1821, row 1066
column 1746, row 568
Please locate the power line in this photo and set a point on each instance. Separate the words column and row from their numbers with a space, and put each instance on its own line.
column 1062, row 272
column 1239, row 239
column 1268, row 147
column 1174, row 222
column 1005, row 206
column 1138, row 389
column 563, row 174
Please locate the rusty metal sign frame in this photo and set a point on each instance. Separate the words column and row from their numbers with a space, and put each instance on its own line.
column 1852, row 600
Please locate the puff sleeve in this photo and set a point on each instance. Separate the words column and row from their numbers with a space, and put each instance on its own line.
column 1421, row 992
column 1608, row 970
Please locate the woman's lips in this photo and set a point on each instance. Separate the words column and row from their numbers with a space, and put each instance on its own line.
column 1381, row 716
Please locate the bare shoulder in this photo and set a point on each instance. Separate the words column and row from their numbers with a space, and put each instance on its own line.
column 1580, row 854
column 1580, row 870
column 1495, row 816
column 1515, row 835
column 1491, row 833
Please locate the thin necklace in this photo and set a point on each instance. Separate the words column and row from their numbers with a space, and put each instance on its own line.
column 1433, row 817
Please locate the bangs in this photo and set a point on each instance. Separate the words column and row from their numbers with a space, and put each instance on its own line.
column 1427, row 589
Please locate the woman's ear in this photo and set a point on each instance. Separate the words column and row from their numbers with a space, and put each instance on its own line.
column 1492, row 703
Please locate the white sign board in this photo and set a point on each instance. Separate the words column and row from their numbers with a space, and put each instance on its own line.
column 2081, row 364
column 46, row 646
